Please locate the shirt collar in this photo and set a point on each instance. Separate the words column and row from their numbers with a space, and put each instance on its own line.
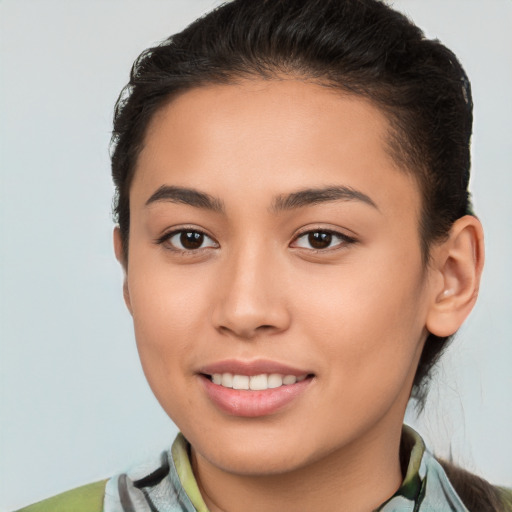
column 425, row 484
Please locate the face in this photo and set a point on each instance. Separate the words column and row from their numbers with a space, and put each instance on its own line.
column 274, row 246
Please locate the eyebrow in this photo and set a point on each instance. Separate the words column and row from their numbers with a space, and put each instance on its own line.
column 189, row 196
column 312, row 196
column 299, row 199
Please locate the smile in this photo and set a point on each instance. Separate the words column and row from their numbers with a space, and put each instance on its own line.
column 253, row 389
column 259, row 382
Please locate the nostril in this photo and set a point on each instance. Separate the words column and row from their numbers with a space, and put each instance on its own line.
column 247, row 332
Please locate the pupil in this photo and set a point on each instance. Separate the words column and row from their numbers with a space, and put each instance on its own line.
column 320, row 240
column 191, row 239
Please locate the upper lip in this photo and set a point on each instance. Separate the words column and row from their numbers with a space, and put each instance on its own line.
column 250, row 368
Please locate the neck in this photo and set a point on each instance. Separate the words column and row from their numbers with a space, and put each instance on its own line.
column 359, row 477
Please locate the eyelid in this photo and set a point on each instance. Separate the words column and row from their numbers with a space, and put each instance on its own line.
column 344, row 239
column 169, row 234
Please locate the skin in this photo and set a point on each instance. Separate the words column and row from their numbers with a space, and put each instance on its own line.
column 355, row 314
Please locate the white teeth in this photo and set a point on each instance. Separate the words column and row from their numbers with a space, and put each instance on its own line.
column 289, row 379
column 227, row 380
column 240, row 382
column 255, row 382
column 258, row 382
column 275, row 380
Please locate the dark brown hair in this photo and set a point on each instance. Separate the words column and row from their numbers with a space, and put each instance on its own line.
column 360, row 47
column 476, row 493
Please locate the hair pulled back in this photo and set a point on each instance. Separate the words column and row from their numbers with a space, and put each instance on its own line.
column 361, row 47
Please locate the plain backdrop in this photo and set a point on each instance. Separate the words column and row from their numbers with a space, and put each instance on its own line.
column 74, row 403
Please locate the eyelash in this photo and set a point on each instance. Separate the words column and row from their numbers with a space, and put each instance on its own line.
column 343, row 240
column 327, row 235
column 167, row 237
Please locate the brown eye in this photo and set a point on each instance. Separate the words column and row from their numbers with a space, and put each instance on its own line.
column 188, row 240
column 191, row 239
column 319, row 239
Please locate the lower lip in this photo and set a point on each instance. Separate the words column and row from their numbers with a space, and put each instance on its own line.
column 251, row 404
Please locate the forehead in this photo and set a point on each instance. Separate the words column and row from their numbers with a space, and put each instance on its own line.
column 252, row 110
column 272, row 136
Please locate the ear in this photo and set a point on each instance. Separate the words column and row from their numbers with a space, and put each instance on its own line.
column 457, row 266
column 120, row 256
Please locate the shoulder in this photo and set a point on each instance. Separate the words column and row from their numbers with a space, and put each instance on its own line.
column 87, row 498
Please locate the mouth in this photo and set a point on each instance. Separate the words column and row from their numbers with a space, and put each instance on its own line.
column 260, row 382
column 254, row 389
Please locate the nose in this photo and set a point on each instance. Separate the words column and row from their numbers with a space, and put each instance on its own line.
column 251, row 296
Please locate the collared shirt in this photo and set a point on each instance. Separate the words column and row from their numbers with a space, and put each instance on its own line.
column 169, row 484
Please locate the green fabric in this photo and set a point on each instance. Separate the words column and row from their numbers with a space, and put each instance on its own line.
column 425, row 487
column 185, row 474
column 88, row 498
column 411, row 484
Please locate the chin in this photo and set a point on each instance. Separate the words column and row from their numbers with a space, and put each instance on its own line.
column 254, row 463
column 255, row 454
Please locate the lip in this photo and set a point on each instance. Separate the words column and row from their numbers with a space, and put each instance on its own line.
column 252, row 404
column 251, row 368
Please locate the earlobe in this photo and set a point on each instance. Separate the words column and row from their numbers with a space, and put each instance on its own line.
column 458, row 263
column 120, row 256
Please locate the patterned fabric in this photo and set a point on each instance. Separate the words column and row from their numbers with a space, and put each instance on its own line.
column 167, row 484
column 88, row 498
column 171, row 487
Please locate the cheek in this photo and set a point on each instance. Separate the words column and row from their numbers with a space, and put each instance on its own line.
column 168, row 309
column 165, row 317
column 367, row 317
column 370, row 341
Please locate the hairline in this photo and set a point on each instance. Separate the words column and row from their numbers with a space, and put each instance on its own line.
column 394, row 140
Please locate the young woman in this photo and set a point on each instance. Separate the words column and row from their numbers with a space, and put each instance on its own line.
column 298, row 246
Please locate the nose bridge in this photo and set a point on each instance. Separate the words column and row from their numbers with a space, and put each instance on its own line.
column 250, row 298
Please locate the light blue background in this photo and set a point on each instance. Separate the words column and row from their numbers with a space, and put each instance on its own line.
column 74, row 404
